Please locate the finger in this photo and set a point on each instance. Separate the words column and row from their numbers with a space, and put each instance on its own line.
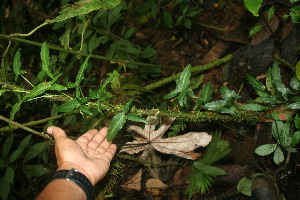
column 92, row 144
column 111, row 151
column 99, row 137
column 88, row 136
column 57, row 133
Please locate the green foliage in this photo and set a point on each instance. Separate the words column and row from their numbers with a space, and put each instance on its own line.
column 245, row 184
column 253, row 6
column 202, row 172
column 14, row 161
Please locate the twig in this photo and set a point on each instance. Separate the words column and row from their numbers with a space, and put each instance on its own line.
column 54, row 47
column 32, row 123
column 211, row 27
column 284, row 62
column 25, row 128
column 144, row 162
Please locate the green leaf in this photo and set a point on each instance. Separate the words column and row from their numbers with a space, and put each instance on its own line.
column 255, row 29
column 9, row 175
column 184, row 79
column 172, row 94
column 35, row 150
column 69, row 106
column 295, row 138
column 215, row 105
column 167, row 18
column 7, row 145
column 80, row 74
column 136, row 118
column 294, row 106
column 297, row 121
column 253, row 107
column 35, row 170
column 17, row 65
column 209, row 169
column 14, row 156
column 45, row 59
column 85, row 109
column 278, row 155
column 271, row 12
column 228, row 94
column 14, row 110
column 84, row 7
column 253, row 6
column 265, row 149
column 182, row 97
column 127, row 107
column 244, row 186
column 276, row 80
column 257, row 86
column 99, row 107
column 57, row 87
column 65, row 38
column 295, row 83
column 206, row 92
column 116, row 124
column 5, row 188
column 38, row 90
column 295, row 13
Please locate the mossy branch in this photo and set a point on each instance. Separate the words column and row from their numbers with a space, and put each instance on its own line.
column 25, row 127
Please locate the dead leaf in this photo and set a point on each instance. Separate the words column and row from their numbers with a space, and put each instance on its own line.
column 152, row 139
column 134, row 183
column 154, row 186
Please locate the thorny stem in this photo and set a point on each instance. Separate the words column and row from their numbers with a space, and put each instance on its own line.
column 24, row 127
column 54, row 47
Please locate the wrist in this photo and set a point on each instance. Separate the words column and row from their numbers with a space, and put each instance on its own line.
column 69, row 166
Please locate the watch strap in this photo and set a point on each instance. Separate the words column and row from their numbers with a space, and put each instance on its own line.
column 78, row 178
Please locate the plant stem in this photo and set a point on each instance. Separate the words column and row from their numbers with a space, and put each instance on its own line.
column 24, row 127
column 147, row 163
column 195, row 70
column 32, row 123
column 31, row 32
column 284, row 62
column 54, row 47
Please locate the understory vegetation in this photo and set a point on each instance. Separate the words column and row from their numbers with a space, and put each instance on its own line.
column 221, row 71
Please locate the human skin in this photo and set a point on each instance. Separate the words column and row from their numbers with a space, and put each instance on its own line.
column 90, row 154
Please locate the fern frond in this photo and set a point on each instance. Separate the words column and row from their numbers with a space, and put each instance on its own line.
column 209, row 169
column 216, row 150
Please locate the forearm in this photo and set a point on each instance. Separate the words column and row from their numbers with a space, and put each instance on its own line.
column 62, row 189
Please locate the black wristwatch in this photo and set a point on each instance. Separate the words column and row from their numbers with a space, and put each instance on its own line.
column 78, row 178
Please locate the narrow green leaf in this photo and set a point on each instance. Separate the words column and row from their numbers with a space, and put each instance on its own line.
column 80, row 74
column 15, row 155
column 5, row 188
column 85, row 109
column 294, row 106
column 7, row 145
column 14, row 110
column 84, row 7
column 253, row 6
column 278, row 155
column 69, row 106
column 257, row 86
column 99, row 107
column 244, row 186
column 271, row 12
column 35, row 150
column 9, row 175
column 206, row 92
column 57, row 87
column 295, row 138
column 255, row 29
column 209, row 169
column 24, row 143
column 172, row 94
column 184, row 79
column 127, row 107
column 136, row 118
column 265, row 149
column 253, row 107
column 116, row 124
column 37, row 90
column 46, row 60
column 228, row 94
column 17, row 65
column 215, row 105
column 35, row 170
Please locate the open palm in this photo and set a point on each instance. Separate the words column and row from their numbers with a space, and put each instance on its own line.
column 90, row 154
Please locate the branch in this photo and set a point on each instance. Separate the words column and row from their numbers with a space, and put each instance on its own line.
column 32, row 123
column 25, row 128
column 55, row 47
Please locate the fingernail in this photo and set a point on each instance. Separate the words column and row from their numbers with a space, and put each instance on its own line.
column 50, row 130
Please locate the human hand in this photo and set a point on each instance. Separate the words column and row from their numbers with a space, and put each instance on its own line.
column 90, row 154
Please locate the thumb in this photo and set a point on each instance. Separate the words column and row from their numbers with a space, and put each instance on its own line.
column 56, row 132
